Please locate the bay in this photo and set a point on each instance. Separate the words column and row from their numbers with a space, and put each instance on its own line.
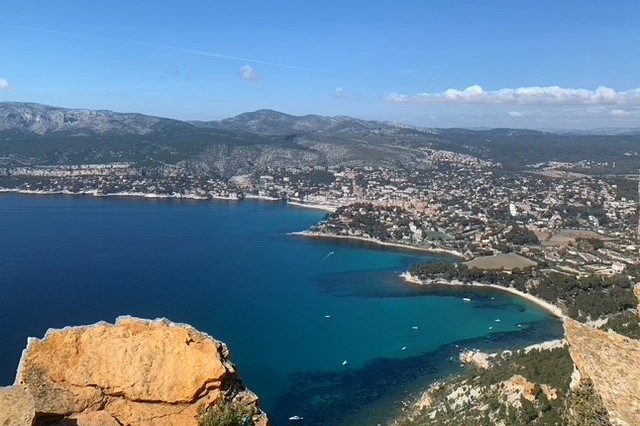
column 291, row 309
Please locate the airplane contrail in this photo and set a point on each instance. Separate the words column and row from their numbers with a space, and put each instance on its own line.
column 233, row 58
column 159, row 46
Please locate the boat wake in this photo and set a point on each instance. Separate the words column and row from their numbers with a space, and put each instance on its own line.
column 326, row 257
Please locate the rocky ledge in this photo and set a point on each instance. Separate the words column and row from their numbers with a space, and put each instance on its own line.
column 134, row 372
column 611, row 362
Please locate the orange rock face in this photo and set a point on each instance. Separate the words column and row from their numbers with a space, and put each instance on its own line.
column 16, row 406
column 611, row 361
column 136, row 372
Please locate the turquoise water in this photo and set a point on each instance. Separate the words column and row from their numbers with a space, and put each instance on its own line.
column 230, row 269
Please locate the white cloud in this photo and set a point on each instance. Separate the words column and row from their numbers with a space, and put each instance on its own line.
column 516, row 114
column 248, row 73
column 4, row 84
column 620, row 113
column 341, row 93
column 552, row 95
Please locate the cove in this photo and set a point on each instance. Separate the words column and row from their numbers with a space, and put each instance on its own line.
column 291, row 309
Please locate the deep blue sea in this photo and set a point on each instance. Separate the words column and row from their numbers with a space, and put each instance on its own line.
column 230, row 269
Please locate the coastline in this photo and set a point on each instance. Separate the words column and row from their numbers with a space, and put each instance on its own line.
column 379, row 243
column 94, row 193
column 261, row 197
column 552, row 309
column 324, row 207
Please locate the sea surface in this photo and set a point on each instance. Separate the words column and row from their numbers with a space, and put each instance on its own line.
column 291, row 309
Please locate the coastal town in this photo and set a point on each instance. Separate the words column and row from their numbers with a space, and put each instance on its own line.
column 551, row 233
column 381, row 213
column 562, row 235
column 471, row 208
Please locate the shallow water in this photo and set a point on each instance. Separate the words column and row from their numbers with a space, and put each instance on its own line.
column 231, row 270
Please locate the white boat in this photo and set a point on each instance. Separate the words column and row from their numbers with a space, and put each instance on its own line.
column 326, row 315
column 466, row 299
column 415, row 327
column 295, row 418
column 404, row 348
column 490, row 328
column 497, row 320
column 345, row 363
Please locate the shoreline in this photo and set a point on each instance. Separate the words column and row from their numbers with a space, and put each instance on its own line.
column 549, row 307
column 324, row 207
column 379, row 243
column 94, row 193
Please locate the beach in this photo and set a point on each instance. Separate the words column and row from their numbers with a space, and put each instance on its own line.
column 324, row 207
column 554, row 310
column 379, row 243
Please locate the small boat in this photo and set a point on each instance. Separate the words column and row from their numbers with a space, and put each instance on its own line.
column 519, row 325
column 497, row 320
column 466, row 299
column 345, row 363
column 415, row 327
column 404, row 348
column 295, row 418
column 490, row 328
column 326, row 315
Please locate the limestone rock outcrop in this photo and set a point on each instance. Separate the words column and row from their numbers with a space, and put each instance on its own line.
column 16, row 406
column 611, row 362
column 134, row 372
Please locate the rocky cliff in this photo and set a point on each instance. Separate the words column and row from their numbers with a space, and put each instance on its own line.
column 611, row 362
column 134, row 372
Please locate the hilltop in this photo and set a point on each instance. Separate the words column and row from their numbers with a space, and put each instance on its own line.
column 34, row 134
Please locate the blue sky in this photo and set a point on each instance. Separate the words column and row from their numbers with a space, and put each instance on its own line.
column 540, row 64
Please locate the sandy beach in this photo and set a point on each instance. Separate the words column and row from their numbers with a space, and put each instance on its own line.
column 323, row 207
column 379, row 243
column 554, row 310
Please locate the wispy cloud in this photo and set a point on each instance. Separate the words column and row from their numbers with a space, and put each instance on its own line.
column 552, row 95
column 620, row 113
column 4, row 84
column 515, row 114
column 248, row 73
column 341, row 93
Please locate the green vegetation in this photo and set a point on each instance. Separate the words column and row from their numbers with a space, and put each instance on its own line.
column 626, row 323
column 583, row 212
column 584, row 406
column 485, row 398
column 582, row 298
column 521, row 236
column 363, row 217
column 225, row 413
column 589, row 297
column 451, row 271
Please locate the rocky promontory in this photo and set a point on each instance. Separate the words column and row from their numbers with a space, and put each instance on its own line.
column 610, row 361
column 134, row 372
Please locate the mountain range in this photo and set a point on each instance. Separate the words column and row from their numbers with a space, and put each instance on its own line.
column 35, row 134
